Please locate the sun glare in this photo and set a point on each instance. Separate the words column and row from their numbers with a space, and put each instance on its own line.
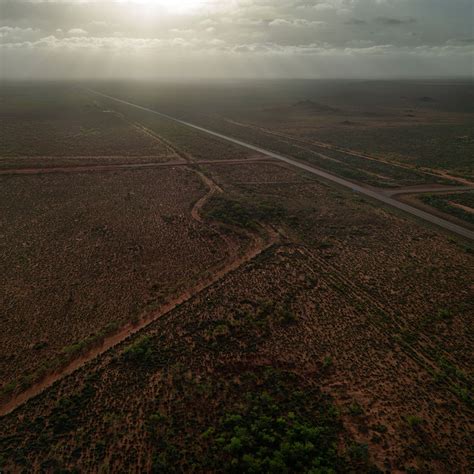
column 175, row 6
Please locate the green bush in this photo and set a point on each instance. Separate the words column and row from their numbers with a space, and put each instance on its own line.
column 263, row 439
column 140, row 351
column 355, row 409
column 414, row 421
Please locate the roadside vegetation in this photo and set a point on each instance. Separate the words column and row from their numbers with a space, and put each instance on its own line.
column 459, row 205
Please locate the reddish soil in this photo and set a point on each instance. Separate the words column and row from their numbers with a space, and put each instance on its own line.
column 413, row 200
column 113, row 238
column 468, row 209
column 363, row 290
column 124, row 166
column 257, row 247
column 294, row 279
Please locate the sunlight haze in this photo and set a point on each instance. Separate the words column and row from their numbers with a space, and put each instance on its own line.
column 236, row 38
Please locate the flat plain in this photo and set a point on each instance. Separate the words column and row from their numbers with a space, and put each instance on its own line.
column 229, row 312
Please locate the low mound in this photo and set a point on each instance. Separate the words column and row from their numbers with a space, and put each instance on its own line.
column 310, row 106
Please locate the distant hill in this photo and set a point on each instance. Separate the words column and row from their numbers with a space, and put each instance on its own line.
column 303, row 106
column 426, row 99
column 311, row 106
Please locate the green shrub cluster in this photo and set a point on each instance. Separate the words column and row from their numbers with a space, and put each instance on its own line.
column 68, row 409
column 140, row 351
column 265, row 439
column 243, row 214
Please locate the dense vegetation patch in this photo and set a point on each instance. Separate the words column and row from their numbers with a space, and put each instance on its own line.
column 243, row 213
column 266, row 436
column 140, row 351
column 270, row 421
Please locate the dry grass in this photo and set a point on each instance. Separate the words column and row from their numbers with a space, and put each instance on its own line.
column 353, row 306
column 85, row 252
column 352, row 303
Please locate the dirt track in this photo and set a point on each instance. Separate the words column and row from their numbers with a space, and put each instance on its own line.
column 258, row 245
column 102, row 168
column 357, row 154
column 436, row 188
column 370, row 193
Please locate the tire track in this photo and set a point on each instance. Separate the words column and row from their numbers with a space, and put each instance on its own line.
column 258, row 245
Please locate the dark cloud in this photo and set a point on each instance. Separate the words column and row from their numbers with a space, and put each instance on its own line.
column 387, row 21
column 355, row 21
column 461, row 41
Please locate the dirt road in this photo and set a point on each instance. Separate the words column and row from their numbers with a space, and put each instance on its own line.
column 422, row 189
column 357, row 188
column 347, row 151
column 258, row 245
column 122, row 166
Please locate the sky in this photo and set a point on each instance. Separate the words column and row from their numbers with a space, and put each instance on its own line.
column 189, row 39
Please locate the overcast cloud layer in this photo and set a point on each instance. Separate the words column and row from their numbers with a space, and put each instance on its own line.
column 236, row 38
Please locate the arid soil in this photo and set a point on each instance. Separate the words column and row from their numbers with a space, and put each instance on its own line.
column 346, row 303
column 117, row 167
column 61, row 125
column 85, row 253
column 150, row 313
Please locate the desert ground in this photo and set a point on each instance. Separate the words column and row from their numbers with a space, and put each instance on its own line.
column 174, row 302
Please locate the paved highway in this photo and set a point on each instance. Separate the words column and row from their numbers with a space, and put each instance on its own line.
column 432, row 219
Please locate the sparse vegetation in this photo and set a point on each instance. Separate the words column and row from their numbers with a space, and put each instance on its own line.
column 341, row 346
column 104, row 256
